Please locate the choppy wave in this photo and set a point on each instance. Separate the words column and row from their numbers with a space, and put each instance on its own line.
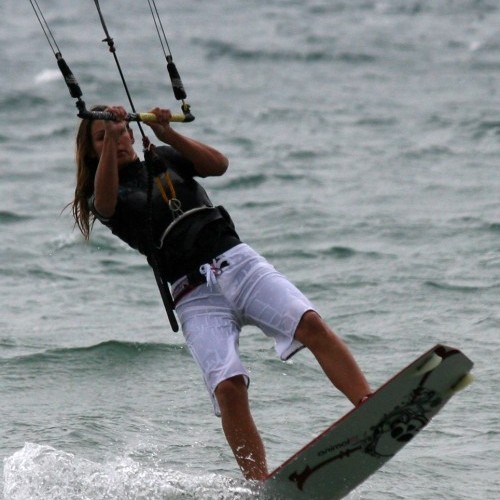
column 217, row 49
column 341, row 252
column 494, row 227
column 47, row 75
column 7, row 217
column 40, row 471
column 459, row 287
column 52, row 133
column 246, row 181
column 19, row 100
column 113, row 350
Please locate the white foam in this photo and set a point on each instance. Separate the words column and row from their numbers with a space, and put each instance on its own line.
column 40, row 472
column 47, row 75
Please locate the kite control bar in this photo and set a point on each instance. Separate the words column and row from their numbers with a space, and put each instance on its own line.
column 84, row 113
column 76, row 92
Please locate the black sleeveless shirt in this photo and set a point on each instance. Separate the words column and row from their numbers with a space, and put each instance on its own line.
column 195, row 238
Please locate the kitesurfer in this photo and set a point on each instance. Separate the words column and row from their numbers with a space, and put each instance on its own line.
column 218, row 282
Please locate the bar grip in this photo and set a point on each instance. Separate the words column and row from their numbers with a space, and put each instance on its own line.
column 133, row 117
column 151, row 117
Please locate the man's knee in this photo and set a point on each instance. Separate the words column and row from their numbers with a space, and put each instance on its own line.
column 311, row 329
column 231, row 391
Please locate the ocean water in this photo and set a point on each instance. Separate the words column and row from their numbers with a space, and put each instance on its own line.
column 364, row 141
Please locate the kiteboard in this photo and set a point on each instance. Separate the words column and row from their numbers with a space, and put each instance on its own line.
column 357, row 445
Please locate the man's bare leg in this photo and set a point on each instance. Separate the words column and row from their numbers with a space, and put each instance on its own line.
column 333, row 356
column 240, row 429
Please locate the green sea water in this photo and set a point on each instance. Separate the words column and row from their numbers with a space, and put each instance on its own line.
column 363, row 139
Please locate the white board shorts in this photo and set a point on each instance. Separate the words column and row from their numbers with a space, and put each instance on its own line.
column 242, row 288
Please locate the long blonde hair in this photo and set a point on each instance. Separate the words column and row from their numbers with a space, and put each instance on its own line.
column 86, row 166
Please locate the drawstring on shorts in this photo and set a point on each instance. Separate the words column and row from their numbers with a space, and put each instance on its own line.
column 207, row 273
column 213, row 271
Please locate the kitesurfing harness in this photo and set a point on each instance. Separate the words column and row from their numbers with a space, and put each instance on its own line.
column 149, row 149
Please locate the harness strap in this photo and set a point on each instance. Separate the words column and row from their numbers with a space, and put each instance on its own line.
column 198, row 224
column 166, row 296
column 150, row 157
column 173, row 202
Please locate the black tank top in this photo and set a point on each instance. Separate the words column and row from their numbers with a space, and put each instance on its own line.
column 194, row 239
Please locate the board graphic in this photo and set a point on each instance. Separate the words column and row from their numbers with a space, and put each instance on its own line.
column 358, row 444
